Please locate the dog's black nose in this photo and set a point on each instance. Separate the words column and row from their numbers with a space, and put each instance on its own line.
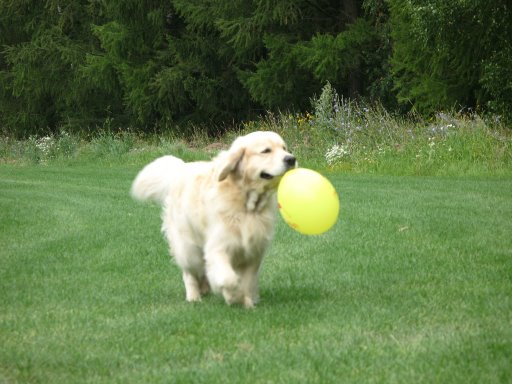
column 290, row 161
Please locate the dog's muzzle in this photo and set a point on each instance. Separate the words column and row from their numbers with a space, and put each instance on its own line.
column 290, row 161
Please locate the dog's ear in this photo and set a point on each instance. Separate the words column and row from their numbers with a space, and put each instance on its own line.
column 230, row 162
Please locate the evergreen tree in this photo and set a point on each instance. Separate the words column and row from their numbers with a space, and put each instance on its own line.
column 142, row 63
column 43, row 45
column 452, row 54
column 296, row 46
column 284, row 51
column 131, row 41
column 153, row 63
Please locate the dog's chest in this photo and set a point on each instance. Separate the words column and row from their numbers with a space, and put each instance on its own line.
column 252, row 232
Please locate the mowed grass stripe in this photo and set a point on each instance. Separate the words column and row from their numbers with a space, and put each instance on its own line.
column 414, row 283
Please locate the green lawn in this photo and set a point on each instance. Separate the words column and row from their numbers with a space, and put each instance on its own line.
column 414, row 284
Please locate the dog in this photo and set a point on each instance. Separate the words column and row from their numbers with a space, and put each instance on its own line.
column 219, row 215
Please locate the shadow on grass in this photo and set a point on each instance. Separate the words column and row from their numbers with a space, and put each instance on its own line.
column 296, row 295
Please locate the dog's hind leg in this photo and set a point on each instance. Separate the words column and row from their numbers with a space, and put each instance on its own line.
column 192, row 286
column 189, row 258
column 205, row 285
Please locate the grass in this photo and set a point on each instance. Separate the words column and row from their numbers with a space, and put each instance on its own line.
column 339, row 136
column 414, row 284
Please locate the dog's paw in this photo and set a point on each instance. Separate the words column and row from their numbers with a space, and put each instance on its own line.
column 249, row 303
column 193, row 297
column 231, row 282
column 232, row 292
column 232, row 297
column 192, row 293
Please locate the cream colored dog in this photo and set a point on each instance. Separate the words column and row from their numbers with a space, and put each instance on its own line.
column 218, row 216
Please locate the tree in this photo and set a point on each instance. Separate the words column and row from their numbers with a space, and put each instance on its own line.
column 297, row 46
column 150, row 64
column 157, row 62
column 44, row 43
column 132, row 44
column 452, row 54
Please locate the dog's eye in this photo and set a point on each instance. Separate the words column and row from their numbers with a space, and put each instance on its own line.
column 266, row 150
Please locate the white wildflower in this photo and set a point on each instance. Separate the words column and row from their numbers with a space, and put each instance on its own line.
column 45, row 144
column 336, row 153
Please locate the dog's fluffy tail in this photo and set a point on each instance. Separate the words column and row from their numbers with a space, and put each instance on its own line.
column 153, row 182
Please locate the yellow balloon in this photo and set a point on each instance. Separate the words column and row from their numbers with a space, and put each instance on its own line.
column 307, row 201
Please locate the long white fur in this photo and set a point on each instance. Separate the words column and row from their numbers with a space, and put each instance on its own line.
column 153, row 182
column 218, row 216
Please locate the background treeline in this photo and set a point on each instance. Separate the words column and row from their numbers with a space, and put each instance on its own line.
column 152, row 64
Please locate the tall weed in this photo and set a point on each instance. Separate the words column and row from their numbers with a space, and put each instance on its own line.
column 40, row 150
column 343, row 135
column 338, row 135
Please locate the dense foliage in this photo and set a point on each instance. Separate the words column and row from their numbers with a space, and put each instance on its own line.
column 83, row 64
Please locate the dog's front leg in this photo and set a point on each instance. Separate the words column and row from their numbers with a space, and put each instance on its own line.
column 222, row 277
column 250, row 276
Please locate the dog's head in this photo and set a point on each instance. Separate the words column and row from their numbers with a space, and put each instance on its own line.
column 257, row 158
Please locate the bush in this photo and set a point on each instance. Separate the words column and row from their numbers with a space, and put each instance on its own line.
column 338, row 135
column 345, row 135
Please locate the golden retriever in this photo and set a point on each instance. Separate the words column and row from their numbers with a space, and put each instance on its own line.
column 218, row 216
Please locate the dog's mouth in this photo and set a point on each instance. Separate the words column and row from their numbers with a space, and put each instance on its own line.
column 266, row 176
column 289, row 163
